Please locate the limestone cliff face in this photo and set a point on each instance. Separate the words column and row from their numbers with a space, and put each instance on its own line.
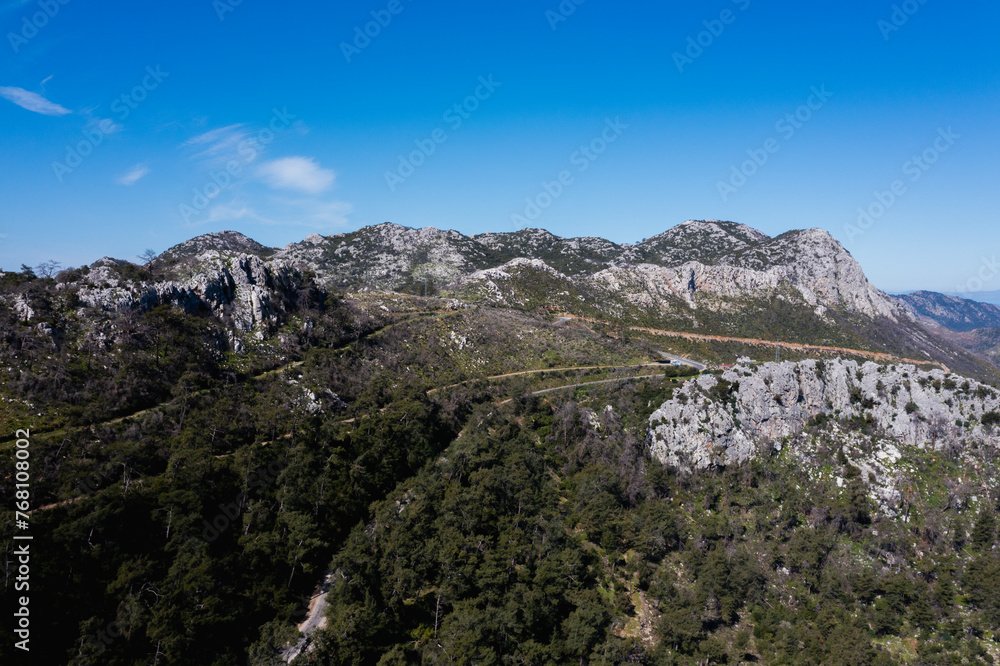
column 251, row 293
column 810, row 263
column 821, row 269
column 712, row 422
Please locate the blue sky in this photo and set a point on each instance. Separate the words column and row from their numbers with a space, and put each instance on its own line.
column 278, row 120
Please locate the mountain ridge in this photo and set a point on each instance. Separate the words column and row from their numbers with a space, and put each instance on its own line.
column 704, row 276
column 953, row 312
column 388, row 256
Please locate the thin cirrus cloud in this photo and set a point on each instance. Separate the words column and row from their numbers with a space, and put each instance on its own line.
column 212, row 137
column 220, row 146
column 302, row 174
column 32, row 101
column 133, row 175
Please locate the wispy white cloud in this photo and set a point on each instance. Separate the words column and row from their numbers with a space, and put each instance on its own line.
column 222, row 145
column 32, row 101
column 297, row 173
column 131, row 176
column 214, row 136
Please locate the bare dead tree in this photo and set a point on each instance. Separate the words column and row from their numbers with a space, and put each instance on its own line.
column 48, row 269
column 147, row 257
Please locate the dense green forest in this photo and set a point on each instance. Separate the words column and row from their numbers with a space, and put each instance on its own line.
column 188, row 500
column 544, row 535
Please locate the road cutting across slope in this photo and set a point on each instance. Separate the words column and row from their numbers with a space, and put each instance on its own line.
column 702, row 337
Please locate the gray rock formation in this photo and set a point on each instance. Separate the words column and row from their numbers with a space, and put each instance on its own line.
column 718, row 421
column 704, row 241
column 22, row 308
column 387, row 256
column 246, row 290
column 229, row 242
column 692, row 275
column 810, row 263
column 697, row 263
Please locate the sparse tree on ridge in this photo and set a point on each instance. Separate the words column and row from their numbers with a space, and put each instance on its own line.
column 49, row 268
column 147, row 257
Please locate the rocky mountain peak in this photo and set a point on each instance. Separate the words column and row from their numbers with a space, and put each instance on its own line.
column 694, row 240
column 226, row 242
column 527, row 238
column 722, row 228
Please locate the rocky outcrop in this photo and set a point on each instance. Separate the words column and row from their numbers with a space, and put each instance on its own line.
column 810, row 263
column 22, row 308
column 719, row 421
column 251, row 293
column 573, row 256
column 504, row 271
column 686, row 275
column 680, row 266
column 704, row 241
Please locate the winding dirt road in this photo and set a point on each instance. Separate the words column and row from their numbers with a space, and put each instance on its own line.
column 875, row 356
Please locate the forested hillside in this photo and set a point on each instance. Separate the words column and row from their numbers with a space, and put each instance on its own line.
column 545, row 535
column 475, row 475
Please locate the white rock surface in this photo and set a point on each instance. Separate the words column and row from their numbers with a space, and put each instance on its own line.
column 702, row 425
column 245, row 289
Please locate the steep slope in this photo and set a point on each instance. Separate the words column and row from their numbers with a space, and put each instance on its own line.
column 200, row 495
column 247, row 293
column 985, row 342
column 807, row 268
column 820, row 268
column 388, row 256
column 731, row 280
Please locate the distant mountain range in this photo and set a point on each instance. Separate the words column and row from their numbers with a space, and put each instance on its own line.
column 973, row 325
column 957, row 314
